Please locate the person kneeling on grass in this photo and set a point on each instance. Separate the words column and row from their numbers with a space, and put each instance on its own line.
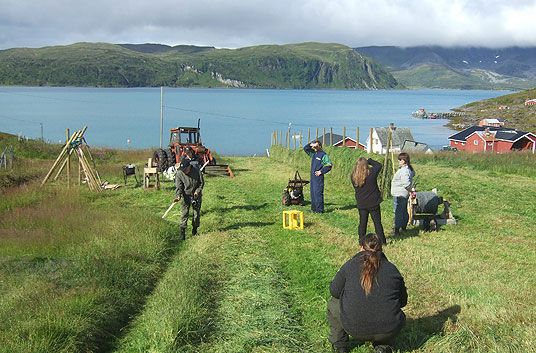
column 368, row 294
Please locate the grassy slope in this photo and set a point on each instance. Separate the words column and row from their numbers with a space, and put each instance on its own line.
column 247, row 285
column 517, row 116
column 439, row 76
column 306, row 65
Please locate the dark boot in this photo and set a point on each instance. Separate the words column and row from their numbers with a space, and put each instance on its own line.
column 182, row 234
column 194, row 230
column 335, row 349
column 383, row 348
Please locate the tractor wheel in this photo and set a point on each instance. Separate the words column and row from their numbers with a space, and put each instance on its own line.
column 160, row 159
column 170, row 158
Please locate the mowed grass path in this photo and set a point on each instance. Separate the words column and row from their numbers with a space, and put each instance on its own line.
column 247, row 285
column 469, row 284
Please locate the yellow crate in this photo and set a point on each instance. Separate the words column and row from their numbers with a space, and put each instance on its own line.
column 292, row 219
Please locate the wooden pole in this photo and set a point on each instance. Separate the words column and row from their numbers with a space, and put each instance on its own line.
column 281, row 137
column 331, row 136
column 301, row 142
column 294, row 138
column 67, row 133
column 324, row 137
column 370, row 146
column 344, row 136
column 287, row 141
column 62, row 154
column 357, row 137
column 316, row 134
column 308, row 135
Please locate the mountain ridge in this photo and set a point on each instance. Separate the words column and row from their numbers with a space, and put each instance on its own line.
column 301, row 66
column 459, row 67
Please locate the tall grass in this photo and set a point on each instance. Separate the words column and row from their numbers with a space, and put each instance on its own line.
column 73, row 273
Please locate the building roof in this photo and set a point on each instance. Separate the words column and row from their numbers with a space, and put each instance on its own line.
column 414, row 146
column 336, row 139
column 400, row 134
column 501, row 133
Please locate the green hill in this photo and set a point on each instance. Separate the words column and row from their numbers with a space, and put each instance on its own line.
column 511, row 68
column 305, row 65
column 441, row 76
column 510, row 107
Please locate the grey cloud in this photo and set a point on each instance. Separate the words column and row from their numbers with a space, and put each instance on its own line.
column 235, row 23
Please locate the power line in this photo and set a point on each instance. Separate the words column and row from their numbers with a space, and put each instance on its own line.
column 25, row 121
column 49, row 98
column 231, row 116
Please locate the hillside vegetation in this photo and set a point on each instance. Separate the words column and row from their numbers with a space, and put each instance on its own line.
column 305, row 65
column 510, row 107
column 103, row 272
column 440, row 76
column 510, row 68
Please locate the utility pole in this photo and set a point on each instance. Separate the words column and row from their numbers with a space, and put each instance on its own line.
column 161, row 114
column 42, row 138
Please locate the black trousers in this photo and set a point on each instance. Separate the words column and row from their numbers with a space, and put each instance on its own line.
column 376, row 216
column 339, row 338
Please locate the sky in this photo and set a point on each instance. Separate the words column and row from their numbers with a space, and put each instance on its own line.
column 240, row 23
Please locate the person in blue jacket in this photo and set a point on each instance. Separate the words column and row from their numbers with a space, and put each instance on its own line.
column 320, row 165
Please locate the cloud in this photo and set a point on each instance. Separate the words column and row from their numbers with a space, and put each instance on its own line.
column 237, row 23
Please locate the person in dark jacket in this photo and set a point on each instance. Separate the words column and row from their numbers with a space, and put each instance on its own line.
column 320, row 165
column 368, row 294
column 189, row 185
column 368, row 196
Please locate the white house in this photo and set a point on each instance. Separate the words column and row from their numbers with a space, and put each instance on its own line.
column 379, row 139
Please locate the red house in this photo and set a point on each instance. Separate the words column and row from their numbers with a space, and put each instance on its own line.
column 493, row 139
column 338, row 141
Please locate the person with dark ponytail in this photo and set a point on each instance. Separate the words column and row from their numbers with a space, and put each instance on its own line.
column 368, row 294
column 368, row 196
column 400, row 187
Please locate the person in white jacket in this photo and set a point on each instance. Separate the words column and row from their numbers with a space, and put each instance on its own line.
column 400, row 187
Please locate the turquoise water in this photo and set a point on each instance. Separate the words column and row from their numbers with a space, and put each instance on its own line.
column 233, row 121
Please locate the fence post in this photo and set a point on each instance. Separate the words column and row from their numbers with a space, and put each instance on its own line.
column 357, row 137
column 67, row 136
column 308, row 135
column 370, row 146
column 344, row 136
column 316, row 134
column 301, row 142
column 324, row 137
column 331, row 136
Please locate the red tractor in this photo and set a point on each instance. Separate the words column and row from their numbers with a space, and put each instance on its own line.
column 188, row 137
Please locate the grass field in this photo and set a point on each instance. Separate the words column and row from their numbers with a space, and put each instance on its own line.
column 104, row 273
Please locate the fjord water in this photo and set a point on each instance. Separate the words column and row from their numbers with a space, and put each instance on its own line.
column 233, row 121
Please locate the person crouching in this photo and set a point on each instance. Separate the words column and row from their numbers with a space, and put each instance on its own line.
column 368, row 294
column 189, row 184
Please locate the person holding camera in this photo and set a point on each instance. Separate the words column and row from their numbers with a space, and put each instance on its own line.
column 401, row 185
column 320, row 165
column 189, row 184
column 368, row 196
column 367, row 297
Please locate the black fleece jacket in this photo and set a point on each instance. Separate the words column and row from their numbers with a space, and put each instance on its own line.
column 368, row 195
column 380, row 311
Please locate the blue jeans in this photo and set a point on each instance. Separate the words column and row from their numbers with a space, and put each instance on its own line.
column 400, row 204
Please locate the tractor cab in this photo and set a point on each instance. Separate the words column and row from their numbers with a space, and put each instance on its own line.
column 185, row 136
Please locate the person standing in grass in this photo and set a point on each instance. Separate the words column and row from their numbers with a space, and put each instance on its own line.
column 320, row 165
column 400, row 187
column 368, row 196
column 368, row 294
column 189, row 184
